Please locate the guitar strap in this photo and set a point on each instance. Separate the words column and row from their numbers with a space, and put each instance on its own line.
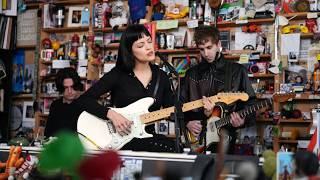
column 157, row 85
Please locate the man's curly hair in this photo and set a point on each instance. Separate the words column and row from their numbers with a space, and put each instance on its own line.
column 65, row 74
column 205, row 33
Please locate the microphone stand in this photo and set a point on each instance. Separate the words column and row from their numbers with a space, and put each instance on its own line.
column 178, row 115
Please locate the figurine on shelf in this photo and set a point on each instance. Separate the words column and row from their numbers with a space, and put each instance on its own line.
column 119, row 14
column 74, row 47
column 159, row 10
column 309, row 83
column 96, row 55
column 46, row 43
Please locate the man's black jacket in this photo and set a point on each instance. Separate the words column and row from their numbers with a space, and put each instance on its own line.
column 207, row 79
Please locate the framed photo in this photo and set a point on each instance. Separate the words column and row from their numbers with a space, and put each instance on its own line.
column 163, row 127
column 285, row 164
column 28, row 115
column 75, row 17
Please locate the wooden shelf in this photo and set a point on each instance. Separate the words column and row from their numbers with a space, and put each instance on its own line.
column 109, row 29
column 306, row 35
column 261, row 75
column 292, row 120
column 237, row 57
column 264, row 95
column 46, row 62
column 43, row 115
column 49, row 95
column 225, row 24
column 299, row 15
column 263, row 120
column 307, row 96
column 112, row 46
column 26, row 47
column 65, row 29
column 178, row 51
column 71, row 2
column 288, row 141
column 22, row 96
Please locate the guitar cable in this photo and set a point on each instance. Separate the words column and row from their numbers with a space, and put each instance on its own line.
column 88, row 139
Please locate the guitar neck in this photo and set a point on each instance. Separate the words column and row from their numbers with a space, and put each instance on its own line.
column 166, row 112
column 243, row 113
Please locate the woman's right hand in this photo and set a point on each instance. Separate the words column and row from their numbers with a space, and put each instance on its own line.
column 194, row 127
column 122, row 124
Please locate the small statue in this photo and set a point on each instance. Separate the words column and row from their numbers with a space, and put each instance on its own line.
column 119, row 14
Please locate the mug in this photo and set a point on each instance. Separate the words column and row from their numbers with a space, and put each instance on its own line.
column 47, row 54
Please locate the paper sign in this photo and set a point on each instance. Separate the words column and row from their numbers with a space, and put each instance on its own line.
column 83, row 63
column 167, row 24
column 290, row 43
column 192, row 24
column 244, row 58
column 242, row 21
column 60, row 64
column 312, row 15
column 108, row 66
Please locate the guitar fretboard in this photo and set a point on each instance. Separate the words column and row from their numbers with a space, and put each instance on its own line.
column 226, row 98
column 243, row 113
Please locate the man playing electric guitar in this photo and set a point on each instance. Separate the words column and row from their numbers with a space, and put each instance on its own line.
column 212, row 75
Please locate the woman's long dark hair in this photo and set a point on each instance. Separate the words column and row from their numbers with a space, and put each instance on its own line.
column 125, row 59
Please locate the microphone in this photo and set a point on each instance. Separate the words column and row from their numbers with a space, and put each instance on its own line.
column 164, row 58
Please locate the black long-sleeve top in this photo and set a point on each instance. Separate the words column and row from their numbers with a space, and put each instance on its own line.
column 62, row 116
column 125, row 89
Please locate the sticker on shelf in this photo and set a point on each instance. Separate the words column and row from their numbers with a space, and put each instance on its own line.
column 192, row 24
column 242, row 21
column 312, row 15
column 60, row 64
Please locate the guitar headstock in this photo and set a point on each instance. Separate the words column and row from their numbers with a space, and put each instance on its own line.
column 283, row 97
column 229, row 98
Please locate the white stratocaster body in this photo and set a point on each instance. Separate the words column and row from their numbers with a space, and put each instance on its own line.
column 102, row 132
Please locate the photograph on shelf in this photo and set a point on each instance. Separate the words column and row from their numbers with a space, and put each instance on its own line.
column 49, row 21
column 75, row 17
column 163, row 127
column 285, row 163
column 28, row 119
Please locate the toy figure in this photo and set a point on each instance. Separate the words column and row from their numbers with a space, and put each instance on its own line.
column 13, row 161
column 96, row 54
column 316, row 77
column 159, row 10
column 119, row 14
column 26, row 167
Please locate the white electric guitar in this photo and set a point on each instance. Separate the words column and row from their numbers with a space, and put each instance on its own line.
column 96, row 133
column 218, row 120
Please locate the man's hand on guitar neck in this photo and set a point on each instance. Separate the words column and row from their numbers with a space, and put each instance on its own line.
column 194, row 127
column 236, row 120
column 122, row 124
